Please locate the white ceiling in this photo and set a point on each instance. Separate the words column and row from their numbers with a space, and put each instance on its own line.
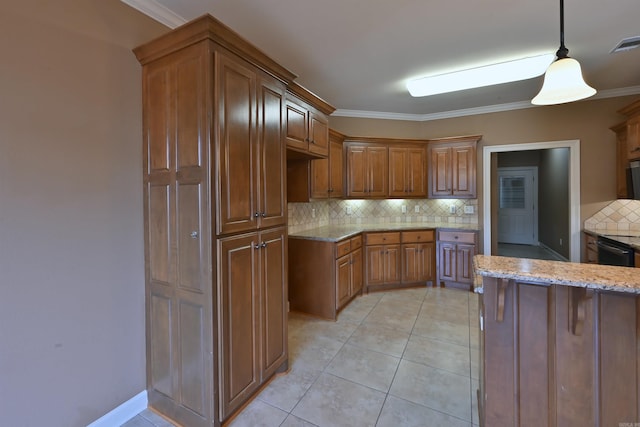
column 358, row 54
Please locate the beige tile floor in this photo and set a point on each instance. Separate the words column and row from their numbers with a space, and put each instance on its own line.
column 400, row 358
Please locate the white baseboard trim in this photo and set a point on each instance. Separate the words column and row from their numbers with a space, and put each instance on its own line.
column 124, row 412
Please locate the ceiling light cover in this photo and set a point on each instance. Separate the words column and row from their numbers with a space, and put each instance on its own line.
column 563, row 83
column 488, row 75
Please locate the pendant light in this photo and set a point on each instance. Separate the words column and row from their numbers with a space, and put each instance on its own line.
column 563, row 81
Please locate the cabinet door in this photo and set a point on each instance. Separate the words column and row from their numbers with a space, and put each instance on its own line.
column 622, row 163
column 633, row 138
column 236, row 150
column 272, row 162
column 411, row 260
column 398, row 172
column 375, row 265
column 356, row 271
column 393, row 265
column 320, row 178
column 464, row 263
column 427, row 262
column 464, row 171
column 273, row 298
column 440, row 171
column 296, row 125
column 377, row 170
column 343, row 279
column 318, row 134
column 336, row 170
column 238, row 320
column 357, row 174
column 416, row 176
column 447, row 258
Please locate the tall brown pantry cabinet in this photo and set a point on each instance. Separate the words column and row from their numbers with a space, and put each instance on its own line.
column 215, row 221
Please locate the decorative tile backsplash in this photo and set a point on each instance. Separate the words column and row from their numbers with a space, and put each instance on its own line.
column 303, row 216
column 618, row 216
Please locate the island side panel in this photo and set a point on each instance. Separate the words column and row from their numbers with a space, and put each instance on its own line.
column 499, row 378
column 311, row 277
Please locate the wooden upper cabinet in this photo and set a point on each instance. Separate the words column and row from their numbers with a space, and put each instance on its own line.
column 327, row 174
column 633, row 138
column 452, row 168
column 250, row 156
column 367, row 169
column 407, row 172
column 297, row 126
column 307, row 129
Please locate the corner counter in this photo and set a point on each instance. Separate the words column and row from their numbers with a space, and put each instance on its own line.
column 559, row 343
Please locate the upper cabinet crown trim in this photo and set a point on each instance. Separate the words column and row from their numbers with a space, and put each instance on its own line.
column 310, row 97
column 207, row 27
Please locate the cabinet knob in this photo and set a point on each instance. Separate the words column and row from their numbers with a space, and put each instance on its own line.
column 264, row 214
column 257, row 214
column 194, row 234
column 257, row 246
column 263, row 245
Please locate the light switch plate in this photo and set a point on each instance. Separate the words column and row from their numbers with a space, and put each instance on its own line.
column 404, row 208
column 468, row 209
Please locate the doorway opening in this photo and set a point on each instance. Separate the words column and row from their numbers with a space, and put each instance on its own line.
column 571, row 214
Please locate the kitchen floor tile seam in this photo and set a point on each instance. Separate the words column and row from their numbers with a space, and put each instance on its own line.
column 411, row 332
column 425, row 406
column 440, row 339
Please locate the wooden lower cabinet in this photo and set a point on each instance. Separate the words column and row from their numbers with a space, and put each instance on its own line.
column 324, row 275
column 455, row 258
column 554, row 355
column 399, row 259
column 252, row 323
column 590, row 248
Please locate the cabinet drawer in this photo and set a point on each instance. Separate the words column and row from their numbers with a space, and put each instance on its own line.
column 457, row 236
column 382, row 238
column 356, row 242
column 417, row 236
column 343, row 248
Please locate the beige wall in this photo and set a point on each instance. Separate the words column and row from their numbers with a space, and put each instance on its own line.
column 588, row 121
column 71, row 252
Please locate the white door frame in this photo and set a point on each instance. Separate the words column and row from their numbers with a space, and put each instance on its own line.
column 574, row 188
column 534, row 196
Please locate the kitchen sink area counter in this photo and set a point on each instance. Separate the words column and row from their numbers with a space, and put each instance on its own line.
column 559, row 343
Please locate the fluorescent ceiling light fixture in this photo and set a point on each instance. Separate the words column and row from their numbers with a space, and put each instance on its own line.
column 488, row 75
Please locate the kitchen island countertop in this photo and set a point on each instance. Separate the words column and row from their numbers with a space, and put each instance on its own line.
column 334, row 233
column 591, row 276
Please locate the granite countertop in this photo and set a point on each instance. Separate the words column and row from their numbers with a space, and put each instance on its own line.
column 629, row 237
column 592, row 276
column 334, row 233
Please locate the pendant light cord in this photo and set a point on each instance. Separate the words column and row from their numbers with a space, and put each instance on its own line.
column 562, row 52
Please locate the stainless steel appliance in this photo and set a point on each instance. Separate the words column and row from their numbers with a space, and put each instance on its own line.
column 613, row 252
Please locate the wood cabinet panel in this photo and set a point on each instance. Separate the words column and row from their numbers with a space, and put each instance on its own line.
column 554, row 355
column 336, row 168
column 318, row 134
column 407, row 172
column 590, row 248
column 343, row 280
column 633, row 138
column 213, row 160
column 382, row 238
column 239, row 291
column 455, row 257
column 296, row 126
column 356, row 271
column 273, row 299
column 452, row 168
column 367, row 169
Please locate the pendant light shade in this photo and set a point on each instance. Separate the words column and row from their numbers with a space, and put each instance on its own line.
column 563, row 81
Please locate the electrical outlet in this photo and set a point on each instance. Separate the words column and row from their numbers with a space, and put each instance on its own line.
column 313, row 213
column 348, row 210
column 404, row 208
column 560, row 242
column 452, row 209
column 468, row 209
column 417, row 209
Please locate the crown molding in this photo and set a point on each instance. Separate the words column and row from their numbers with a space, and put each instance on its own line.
column 156, row 11
column 610, row 93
